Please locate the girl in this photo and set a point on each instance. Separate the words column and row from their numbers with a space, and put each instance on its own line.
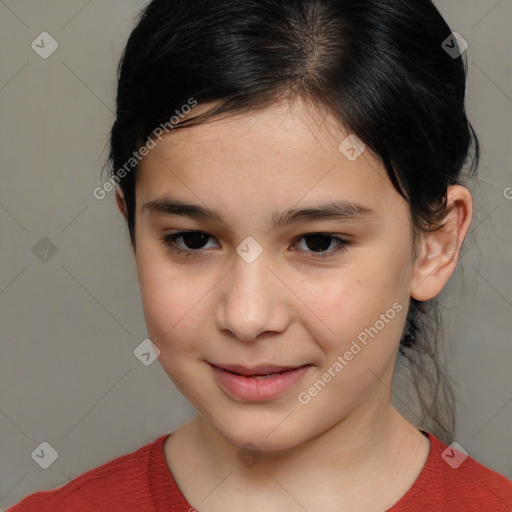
column 291, row 175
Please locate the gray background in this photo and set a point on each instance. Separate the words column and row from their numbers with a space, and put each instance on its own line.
column 70, row 325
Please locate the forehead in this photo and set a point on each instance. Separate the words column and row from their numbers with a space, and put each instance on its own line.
column 283, row 154
column 285, row 127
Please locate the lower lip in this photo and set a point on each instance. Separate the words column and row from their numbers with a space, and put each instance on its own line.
column 255, row 389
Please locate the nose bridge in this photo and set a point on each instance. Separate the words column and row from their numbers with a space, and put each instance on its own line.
column 251, row 297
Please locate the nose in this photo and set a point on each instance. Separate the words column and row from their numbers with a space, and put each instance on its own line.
column 253, row 300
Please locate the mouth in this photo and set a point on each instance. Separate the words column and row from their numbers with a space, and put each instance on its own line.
column 257, row 383
column 264, row 370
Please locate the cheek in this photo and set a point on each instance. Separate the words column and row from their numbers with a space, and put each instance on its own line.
column 173, row 302
column 367, row 314
column 357, row 300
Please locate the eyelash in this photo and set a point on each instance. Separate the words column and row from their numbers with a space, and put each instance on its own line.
column 170, row 242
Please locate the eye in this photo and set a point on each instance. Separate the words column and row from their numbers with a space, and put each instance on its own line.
column 194, row 242
column 320, row 242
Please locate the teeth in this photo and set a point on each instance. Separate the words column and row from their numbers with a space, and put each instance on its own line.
column 266, row 376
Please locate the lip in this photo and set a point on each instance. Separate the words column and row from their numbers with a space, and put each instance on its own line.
column 249, row 384
column 262, row 369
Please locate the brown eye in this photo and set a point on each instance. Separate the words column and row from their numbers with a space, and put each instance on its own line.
column 193, row 241
column 318, row 244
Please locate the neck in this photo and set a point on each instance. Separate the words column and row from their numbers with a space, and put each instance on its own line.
column 363, row 442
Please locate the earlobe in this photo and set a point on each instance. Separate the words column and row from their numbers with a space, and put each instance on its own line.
column 439, row 250
column 121, row 203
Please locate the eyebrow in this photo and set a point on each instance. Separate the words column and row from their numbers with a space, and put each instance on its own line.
column 333, row 210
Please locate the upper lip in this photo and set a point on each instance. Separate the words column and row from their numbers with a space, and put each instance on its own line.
column 261, row 369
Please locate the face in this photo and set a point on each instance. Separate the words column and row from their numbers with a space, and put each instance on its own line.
column 319, row 301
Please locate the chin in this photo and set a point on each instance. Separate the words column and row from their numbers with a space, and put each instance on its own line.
column 262, row 434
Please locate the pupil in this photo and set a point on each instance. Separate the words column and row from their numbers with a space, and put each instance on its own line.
column 317, row 244
column 198, row 239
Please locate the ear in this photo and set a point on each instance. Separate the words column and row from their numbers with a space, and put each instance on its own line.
column 121, row 203
column 439, row 250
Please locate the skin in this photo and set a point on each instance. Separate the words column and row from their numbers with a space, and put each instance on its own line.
column 347, row 449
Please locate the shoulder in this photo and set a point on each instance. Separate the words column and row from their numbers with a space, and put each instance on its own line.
column 453, row 481
column 123, row 482
column 466, row 479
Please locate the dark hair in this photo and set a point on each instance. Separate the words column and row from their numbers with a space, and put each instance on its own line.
column 378, row 65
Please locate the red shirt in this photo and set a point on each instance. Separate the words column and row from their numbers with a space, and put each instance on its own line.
column 142, row 482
